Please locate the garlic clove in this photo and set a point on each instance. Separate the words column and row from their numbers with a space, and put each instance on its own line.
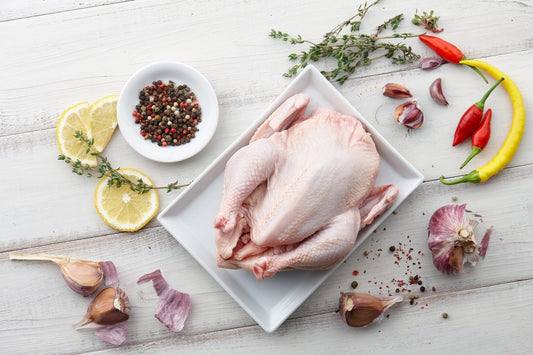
column 82, row 276
column 456, row 259
column 361, row 309
column 409, row 114
column 172, row 308
column 110, row 306
column 431, row 63
column 396, row 91
column 435, row 90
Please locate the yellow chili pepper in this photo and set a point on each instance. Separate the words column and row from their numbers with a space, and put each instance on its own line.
column 509, row 147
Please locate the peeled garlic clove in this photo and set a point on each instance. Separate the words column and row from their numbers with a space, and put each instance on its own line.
column 396, row 91
column 82, row 276
column 409, row 114
column 431, row 63
column 435, row 90
column 361, row 309
column 452, row 241
column 110, row 306
column 172, row 308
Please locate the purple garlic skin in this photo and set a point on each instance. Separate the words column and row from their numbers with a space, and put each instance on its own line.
column 431, row 63
column 172, row 308
column 114, row 334
column 435, row 90
column 452, row 241
column 409, row 114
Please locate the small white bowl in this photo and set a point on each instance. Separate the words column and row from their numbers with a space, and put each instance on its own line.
column 180, row 74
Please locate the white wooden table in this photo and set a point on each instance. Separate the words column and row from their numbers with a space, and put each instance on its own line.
column 58, row 53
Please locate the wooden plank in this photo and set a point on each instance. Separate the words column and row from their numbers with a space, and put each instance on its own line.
column 217, row 321
column 22, row 9
column 471, row 322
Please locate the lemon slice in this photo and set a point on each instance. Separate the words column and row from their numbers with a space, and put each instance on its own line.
column 103, row 120
column 121, row 207
column 72, row 120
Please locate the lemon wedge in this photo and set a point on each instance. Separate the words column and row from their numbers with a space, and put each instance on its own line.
column 103, row 120
column 121, row 207
column 72, row 120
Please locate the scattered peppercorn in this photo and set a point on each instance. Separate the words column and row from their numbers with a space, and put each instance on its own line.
column 433, row 289
column 366, row 252
column 354, row 284
column 168, row 114
column 392, row 248
column 422, row 289
column 445, row 315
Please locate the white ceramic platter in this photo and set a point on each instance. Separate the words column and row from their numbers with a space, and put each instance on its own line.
column 190, row 217
column 180, row 74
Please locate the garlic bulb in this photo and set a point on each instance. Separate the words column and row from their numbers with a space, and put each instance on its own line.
column 361, row 309
column 82, row 276
column 452, row 241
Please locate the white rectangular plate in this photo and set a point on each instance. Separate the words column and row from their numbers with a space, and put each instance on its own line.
column 190, row 217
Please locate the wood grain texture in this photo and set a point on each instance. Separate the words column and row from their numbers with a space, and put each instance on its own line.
column 58, row 53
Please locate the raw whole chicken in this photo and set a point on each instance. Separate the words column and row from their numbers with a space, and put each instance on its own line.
column 298, row 194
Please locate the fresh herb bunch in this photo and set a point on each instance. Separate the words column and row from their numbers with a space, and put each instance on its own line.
column 350, row 48
column 428, row 20
column 104, row 168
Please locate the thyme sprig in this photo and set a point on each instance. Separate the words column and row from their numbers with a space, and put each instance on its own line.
column 350, row 48
column 105, row 169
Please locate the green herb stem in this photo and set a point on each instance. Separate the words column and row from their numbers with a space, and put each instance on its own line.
column 350, row 48
column 105, row 169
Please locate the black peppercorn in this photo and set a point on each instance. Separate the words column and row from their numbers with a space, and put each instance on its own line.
column 160, row 110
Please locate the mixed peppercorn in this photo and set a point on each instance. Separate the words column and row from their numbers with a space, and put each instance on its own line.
column 168, row 113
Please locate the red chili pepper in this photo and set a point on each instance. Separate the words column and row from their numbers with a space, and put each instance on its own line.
column 472, row 118
column 480, row 138
column 445, row 50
